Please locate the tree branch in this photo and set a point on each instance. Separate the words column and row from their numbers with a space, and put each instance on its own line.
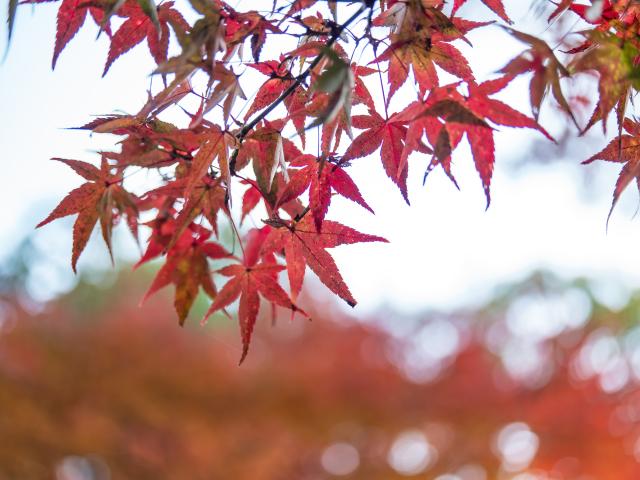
column 298, row 81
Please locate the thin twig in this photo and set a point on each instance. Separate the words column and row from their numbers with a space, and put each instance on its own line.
column 298, row 81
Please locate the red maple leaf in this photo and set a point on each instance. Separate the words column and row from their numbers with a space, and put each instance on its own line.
column 248, row 281
column 389, row 135
column 623, row 149
column 240, row 25
column 615, row 73
column 539, row 60
column 269, row 151
column 495, row 5
column 606, row 11
column 138, row 26
column 321, row 103
column 456, row 115
column 71, row 16
column 250, row 198
column 162, row 231
column 187, row 268
column 323, row 176
column 420, row 43
column 279, row 80
column 207, row 198
column 101, row 198
column 422, row 54
column 361, row 93
column 304, row 246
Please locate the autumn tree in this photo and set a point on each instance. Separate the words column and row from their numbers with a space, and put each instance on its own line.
column 338, row 81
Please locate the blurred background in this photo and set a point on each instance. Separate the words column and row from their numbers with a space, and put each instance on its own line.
column 486, row 345
column 539, row 383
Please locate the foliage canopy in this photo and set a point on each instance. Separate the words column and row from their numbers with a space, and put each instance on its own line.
column 388, row 74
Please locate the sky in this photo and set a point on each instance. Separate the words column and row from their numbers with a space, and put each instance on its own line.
column 445, row 250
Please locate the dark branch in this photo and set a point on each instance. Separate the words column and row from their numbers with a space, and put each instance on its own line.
column 298, row 81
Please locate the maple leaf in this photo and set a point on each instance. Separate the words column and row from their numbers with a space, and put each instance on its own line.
column 199, row 44
column 546, row 69
column 116, row 124
column 422, row 52
column 172, row 94
column 623, row 149
column 465, row 115
column 268, row 151
column 304, row 246
column 70, row 18
column 495, row 5
column 162, row 231
column 187, row 268
column 600, row 12
column 615, row 63
column 333, row 91
column 322, row 106
column 140, row 25
column 299, row 5
column 228, row 87
column 206, row 198
column 250, row 199
column 248, row 281
column 419, row 43
column 442, row 140
column 334, row 86
column 152, row 143
column 389, row 135
column 280, row 79
column 322, row 176
column 332, row 129
column 361, row 93
column 239, row 26
column 100, row 198
column 215, row 144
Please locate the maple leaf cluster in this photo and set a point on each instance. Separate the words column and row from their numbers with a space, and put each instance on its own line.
column 255, row 152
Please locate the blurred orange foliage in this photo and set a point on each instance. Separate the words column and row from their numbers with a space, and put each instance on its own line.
column 116, row 391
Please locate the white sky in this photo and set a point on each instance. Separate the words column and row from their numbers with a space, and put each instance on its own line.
column 445, row 249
